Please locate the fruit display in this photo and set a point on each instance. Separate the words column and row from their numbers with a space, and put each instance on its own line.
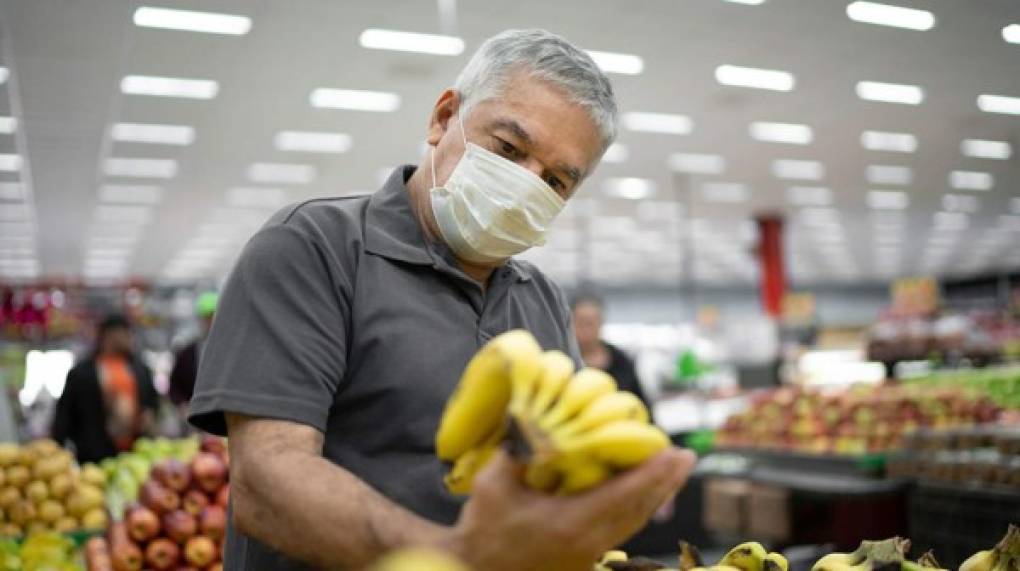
column 179, row 521
column 748, row 556
column 126, row 472
column 46, row 551
column 41, row 489
column 572, row 430
column 1001, row 384
column 985, row 456
column 859, row 420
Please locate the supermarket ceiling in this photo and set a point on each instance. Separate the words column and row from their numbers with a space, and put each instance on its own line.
column 872, row 189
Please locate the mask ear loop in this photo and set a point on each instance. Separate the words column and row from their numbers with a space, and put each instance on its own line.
column 432, row 150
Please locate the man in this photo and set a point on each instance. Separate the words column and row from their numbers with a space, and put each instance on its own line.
column 347, row 322
column 586, row 310
column 108, row 399
column 182, row 376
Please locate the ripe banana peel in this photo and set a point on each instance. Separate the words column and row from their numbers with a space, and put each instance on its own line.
column 572, row 430
column 419, row 559
column 1005, row 556
column 749, row 556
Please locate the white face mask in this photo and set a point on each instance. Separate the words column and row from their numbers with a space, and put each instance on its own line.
column 491, row 208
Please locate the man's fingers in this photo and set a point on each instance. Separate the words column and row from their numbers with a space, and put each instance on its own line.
column 501, row 472
column 642, row 488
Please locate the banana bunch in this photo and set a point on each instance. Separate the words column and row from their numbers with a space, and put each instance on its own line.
column 883, row 555
column 1005, row 556
column 748, row 556
column 619, row 561
column 572, row 429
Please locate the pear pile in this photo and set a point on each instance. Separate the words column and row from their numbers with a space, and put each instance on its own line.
column 573, row 429
column 42, row 489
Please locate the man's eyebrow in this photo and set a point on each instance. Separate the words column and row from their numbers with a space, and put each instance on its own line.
column 515, row 127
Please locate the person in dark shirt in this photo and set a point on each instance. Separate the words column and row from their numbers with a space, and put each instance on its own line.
column 587, row 312
column 182, row 376
column 109, row 399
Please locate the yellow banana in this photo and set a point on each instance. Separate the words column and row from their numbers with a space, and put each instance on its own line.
column 581, row 474
column 419, row 559
column 621, row 444
column 557, row 369
column 541, row 476
column 480, row 401
column 717, row 568
column 835, row 561
column 619, row 405
column 582, row 388
column 775, row 562
column 608, row 557
column 747, row 556
column 980, row 561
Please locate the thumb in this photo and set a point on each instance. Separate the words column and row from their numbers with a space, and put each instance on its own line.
column 501, row 471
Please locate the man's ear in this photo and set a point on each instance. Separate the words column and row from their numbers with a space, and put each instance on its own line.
column 445, row 109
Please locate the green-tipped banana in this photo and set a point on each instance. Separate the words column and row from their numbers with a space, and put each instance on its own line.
column 583, row 388
column 480, row 401
column 747, row 556
column 775, row 562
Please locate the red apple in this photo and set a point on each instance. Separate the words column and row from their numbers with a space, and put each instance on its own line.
column 215, row 567
column 194, row 501
column 209, row 471
column 158, row 497
column 179, row 525
column 200, row 551
column 162, row 554
column 223, row 496
column 142, row 524
column 126, row 557
column 213, row 522
column 213, row 444
column 173, row 474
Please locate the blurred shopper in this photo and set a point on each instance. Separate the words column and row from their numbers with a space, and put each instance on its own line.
column 108, row 399
column 347, row 322
column 587, row 312
column 182, row 376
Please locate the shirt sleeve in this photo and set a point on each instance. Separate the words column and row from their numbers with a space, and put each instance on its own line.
column 277, row 347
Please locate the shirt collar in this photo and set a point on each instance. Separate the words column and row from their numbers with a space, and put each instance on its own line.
column 392, row 231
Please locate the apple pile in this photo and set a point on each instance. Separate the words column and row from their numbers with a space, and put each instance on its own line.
column 179, row 521
column 41, row 489
column 859, row 420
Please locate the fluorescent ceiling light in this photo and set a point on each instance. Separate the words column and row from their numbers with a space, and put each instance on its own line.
column 3, row 75
column 809, row 195
column 377, row 39
column 123, row 214
column 890, row 92
column 140, row 168
column 791, row 133
column 888, row 199
column 754, row 77
column 12, row 191
column 130, row 194
column 354, row 99
column 960, row 203
column 246, row 197
column 999, row 104
column 8, row 125
column 827, row 217
column 191, row 21
column 798, row 169
column 725, row 192
column 160, row 134
column 950, row 221
column 169, row 87
column 630, row 187
column 313, row 142
column 887, row 141
column 889, row 174
column 669, row 123
column 971, row 180
column 983, row 149
column 625, row 64
column 281, row 173
column 887, row 15
column 10, row 163
column 1011, row 33
column 696, row 163
column 616, row 153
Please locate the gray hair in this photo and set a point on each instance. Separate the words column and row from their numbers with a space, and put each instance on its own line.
column 545, row 56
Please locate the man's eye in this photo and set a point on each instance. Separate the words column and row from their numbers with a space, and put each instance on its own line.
column 508, row 149
column 554, row 183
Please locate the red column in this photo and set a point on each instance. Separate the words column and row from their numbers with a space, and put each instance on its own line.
column 770, row 255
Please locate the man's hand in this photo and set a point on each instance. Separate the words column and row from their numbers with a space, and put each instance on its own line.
column 507, row 527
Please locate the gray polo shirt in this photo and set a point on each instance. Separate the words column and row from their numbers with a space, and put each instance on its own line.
column 340, row 315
